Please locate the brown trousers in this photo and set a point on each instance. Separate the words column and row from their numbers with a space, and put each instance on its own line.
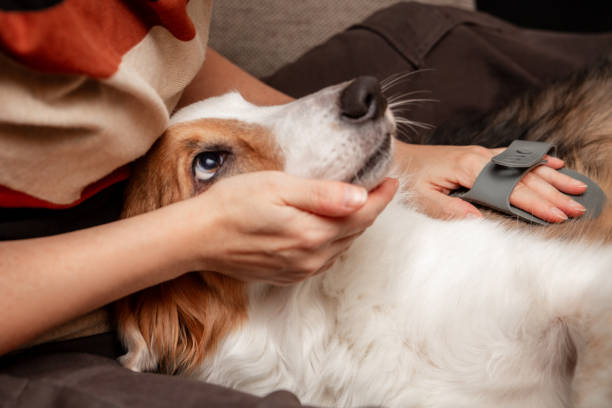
column 469, row 62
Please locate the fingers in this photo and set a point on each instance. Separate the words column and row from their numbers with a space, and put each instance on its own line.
column 352, row 226
column 560, row 181
column 381, row 196
column 538, row 194
column 554, row 162
column 450, row 167
column 533, row 203
column 322, row 197
column 377, row 201
column 289, row 228
column 327, row 201
column 320, row 240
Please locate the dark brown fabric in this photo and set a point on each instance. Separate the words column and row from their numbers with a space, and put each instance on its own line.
column 85, row 380
column 85, row 372
column 22, row 223
column 469, row 62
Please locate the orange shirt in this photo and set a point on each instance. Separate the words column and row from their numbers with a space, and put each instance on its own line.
column 87, row 87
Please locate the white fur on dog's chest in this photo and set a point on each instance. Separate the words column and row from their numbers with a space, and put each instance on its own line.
column 399, row 318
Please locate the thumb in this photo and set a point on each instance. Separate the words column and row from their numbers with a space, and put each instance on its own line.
column 439, row 205
column 324, row 197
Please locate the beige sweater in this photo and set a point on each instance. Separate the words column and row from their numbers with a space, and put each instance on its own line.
column 85, row 88
column 102, row 94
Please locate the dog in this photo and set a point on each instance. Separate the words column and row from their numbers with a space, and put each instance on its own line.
column 419, row 311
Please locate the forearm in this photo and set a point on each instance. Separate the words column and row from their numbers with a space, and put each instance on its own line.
column 218, row 76
column 46, row 281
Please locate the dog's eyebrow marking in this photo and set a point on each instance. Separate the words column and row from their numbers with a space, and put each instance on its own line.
column 195, row 146
column 191, row 144
column 255, row 144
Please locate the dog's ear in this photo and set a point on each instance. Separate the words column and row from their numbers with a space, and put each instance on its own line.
column 176, row 324
column 161, row 177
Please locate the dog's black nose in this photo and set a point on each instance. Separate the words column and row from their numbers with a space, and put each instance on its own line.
column 362, row 100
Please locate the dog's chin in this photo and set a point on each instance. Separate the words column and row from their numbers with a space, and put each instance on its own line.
column 375, row 167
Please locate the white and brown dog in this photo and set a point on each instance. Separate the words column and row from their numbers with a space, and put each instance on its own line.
column 419, row 312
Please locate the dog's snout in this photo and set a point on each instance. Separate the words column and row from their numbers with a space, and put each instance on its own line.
column 362, row 100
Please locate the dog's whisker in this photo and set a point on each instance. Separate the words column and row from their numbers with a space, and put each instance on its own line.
column 406, row 95
column 395, row 104
column 422, row 125
column 407, row 127
column 396, row 78
column 396, row 108
column 406, row 131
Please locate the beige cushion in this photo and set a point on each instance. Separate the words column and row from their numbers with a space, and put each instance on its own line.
column 261, row 36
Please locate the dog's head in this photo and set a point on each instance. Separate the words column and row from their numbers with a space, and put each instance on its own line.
column 343, row 133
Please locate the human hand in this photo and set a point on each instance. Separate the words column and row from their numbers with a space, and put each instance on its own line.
column 272, row 227
column 438, row 170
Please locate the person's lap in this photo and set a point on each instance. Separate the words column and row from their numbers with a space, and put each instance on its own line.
column 468, row 63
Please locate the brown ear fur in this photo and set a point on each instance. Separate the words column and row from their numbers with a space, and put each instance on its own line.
column 156, row 179
column 181, row 320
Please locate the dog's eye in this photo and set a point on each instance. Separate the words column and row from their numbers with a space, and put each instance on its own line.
column 207, row 164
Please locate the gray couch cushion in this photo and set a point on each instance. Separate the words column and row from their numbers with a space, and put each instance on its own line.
column 261, row 36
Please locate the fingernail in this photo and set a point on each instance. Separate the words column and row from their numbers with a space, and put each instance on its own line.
column 557, row 213
column 579, row 184
column 355, row 196
column 575, row 205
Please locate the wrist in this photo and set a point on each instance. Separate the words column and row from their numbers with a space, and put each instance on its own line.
column 194, row 222
column 161, row 244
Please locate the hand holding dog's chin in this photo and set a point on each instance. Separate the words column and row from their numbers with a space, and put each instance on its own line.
column 279, row 229
column 437, row 170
